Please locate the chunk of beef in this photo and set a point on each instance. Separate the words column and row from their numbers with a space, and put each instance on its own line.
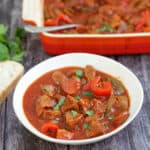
column 85, row 104
column 43, row 102
column 122, row 102
column 98, row 107
column 94, row 129
column 72, row 121
column 120, row 118
column 64, row 134
column 49, row 90
column 90, row 72
column 70, row 103
column 51, row 114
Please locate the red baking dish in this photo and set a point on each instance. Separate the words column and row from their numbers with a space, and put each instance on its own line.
column 107, row 44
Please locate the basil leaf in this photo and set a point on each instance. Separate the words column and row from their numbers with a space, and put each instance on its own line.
column 10, row 48
column 20, row 33
column 3, row 39
column 18, row 57
column 14, row 47
column 3, row 29
column 4, row 53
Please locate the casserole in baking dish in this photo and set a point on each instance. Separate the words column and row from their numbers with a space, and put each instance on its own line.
column 112, row 41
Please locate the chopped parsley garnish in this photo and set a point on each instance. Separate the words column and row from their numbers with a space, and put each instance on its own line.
column 85, row 126
column 90, row 112
column 46, row 88
column 74, row 113
column 77, row 97
column 105, row 28
column 111, row 117
column 87, row 93
column 60, row 103
column 79, row 73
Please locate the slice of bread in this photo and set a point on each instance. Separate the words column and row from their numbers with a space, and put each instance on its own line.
column 10, row 73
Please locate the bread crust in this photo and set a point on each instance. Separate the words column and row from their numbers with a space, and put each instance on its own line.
column 9, row 67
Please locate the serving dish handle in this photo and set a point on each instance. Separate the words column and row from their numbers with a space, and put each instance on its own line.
column 33, row 12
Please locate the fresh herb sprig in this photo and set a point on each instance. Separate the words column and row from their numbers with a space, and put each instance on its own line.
column 11, row 48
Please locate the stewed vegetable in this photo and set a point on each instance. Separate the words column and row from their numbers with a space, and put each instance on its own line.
column 76, row 103
column 99, row 16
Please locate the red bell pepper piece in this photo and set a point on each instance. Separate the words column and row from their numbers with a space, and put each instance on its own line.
column 50, row 22
column 101, row 88
column 62, row 17
column 145, row 17
column 46, row 127
column 125, row 3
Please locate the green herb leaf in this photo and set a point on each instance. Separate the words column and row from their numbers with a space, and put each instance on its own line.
column 3, row 39
column 4, row 53
column 20, row 33
column 77, row 97
column 79, row 73
column 46, row 88
column 111, row 117
column 90, row 112
column 10, row 48
column 18, row 57
column 3, row 29
column 105, row 28
column 56, row 107
column 60, row 103
column 74, row 113
column 14, row 47
column 87, row 93
column 85, row 126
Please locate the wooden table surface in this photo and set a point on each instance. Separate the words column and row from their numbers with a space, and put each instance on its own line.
column 13, row 136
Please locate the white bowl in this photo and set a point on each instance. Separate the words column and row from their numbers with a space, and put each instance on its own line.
column 101, row 63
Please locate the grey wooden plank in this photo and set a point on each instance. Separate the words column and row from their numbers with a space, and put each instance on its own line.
column 5, row 5
column 16, row 136
column 139, row 129
column 2, row 125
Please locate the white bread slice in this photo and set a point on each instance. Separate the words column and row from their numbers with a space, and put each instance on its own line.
column 10, row 73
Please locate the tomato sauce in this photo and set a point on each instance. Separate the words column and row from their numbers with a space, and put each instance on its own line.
column 99, row 16
column 75, row 103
